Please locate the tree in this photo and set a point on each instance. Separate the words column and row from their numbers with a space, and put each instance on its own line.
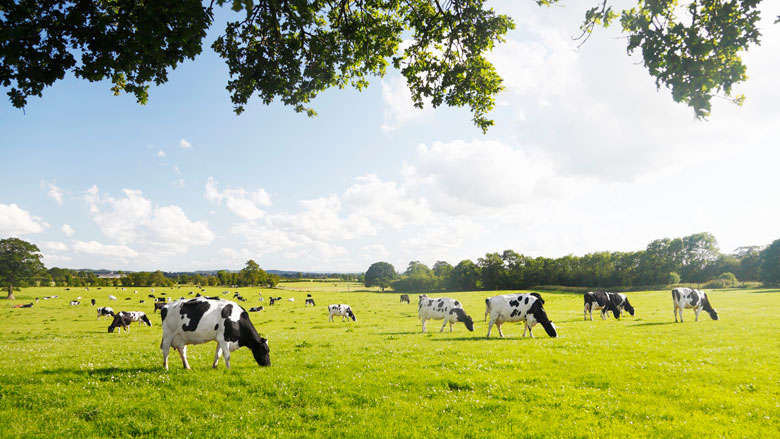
column 252, row 274
column 464, row 277
column 770, row 264
column 380, row 274
column 293, row 50
column 20, row 262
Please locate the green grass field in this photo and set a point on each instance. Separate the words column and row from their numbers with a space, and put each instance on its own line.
column 63, row 375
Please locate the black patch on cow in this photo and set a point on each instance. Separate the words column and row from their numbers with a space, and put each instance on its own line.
column 537, row 310
column 216, row 326
column 163, row 313
column 538, row 296
column 515, row 312
column 694, row 298
column 514, row 303
column 676, row 295
column 146, row 320
column 430, row 302
column 526, row 300
column 193, row 310
column 457, row 303
column 213, row 297
column 226, row 311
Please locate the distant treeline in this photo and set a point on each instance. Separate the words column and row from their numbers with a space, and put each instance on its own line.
column 251, row 275
column 693, row 259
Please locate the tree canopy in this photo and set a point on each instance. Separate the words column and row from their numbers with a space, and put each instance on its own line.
column 380, row 274
column 20, row 261
column 292, row 50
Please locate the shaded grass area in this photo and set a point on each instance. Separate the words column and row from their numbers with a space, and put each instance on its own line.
column 642, row 376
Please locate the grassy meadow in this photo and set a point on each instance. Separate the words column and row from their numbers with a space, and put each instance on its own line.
column 63, row 375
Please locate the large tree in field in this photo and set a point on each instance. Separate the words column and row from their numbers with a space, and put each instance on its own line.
column 292, row 50
column 20, row 261
column 380, row 274
column 770, row 264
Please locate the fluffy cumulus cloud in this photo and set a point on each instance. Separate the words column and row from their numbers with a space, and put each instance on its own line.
column 106, row 250
column 53, row 191
column 399, row 107
column 53, row 246
column 134, row 220
column 243, row 203
column 161, row 153
column 386, row 203
column 185, row 144
column 68, row 230
column 16, row 221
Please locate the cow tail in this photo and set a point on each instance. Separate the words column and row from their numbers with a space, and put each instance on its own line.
column 487, row 307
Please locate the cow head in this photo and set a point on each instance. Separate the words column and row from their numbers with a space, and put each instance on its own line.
column 463, row 317
column 707, row 307
column 351, row 315
column 262, row 353
column 629, row 308
column 550, row 329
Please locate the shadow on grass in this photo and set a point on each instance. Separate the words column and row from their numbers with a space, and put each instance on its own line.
column 476, row 338
column 776, row 290
column 105, row 371
column 400, row 333
column 654, row 323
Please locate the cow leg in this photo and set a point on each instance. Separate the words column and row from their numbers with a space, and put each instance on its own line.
column 330, row 317
column 490, row 326
column 183, row 354
column 166, row 347
column 226, row 351
column 698, row 310
column 217, row 355
column 530, row 329
column 450, row 326
column 443, row 326
column 603, row 313
column 500, row 334
column 423, row 324
column 585, row 312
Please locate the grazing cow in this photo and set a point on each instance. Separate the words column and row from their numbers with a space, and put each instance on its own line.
column 121, row 320
column 26, row 305
column 443, row 308
column 104, row 312
column 160, row 299
column 159, row 305
column 516, row 307
column 340, row 310
column 110, row 297
column 405, row 298
column 308, row 295
column 690, row 298
column 309, row 301
column 93, row 302
column 605, row 301
column 151, row 296
column 141, row 301
column 201, row 320
column 256, row 309
column 74, row 302
column 291, row 299
column 272, row 300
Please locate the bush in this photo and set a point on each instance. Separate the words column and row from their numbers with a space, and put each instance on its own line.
column 672, row 278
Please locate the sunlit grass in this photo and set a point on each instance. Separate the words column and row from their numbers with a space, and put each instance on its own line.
column 63, row 375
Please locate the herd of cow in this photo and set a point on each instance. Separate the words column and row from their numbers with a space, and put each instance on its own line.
column 203, row 319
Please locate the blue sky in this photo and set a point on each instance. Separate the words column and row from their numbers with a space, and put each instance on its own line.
column 586, row 156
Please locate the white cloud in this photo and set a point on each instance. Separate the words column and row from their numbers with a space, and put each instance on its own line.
column 399, row 107
column 161, row 153
column 240, row 201
column 185, row 144
column 112, row 251
column 374, row 252
column 385, row 203
column 444, row 240
column 133, row 219
column 53, row 246
column 68, row 230
column 55, row 193
column 17, row 221
column 176, row 170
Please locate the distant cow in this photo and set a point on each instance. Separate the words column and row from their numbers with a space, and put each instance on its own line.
column 340, row 310
column 405, row 298
column 443, row 308
column 606, row 302
column 104, row 312
column 110, row 297
column 93, row 302
column 26, row 305
column 256, row 309
column 309, row 301
column 124, row 318
column 518, row 307
column 201, row 320
column 291, row 299
column 690, row 298
column 74, row 302
column 159, row 305
column 273, row 299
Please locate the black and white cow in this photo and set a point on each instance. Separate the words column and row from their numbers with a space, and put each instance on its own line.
column 104, row 312
column 405, row 298
column 309, row 301
column 110, row 297
column 340, row 310
column 606, row 302
column 518, row 307
column 691, row 298
column 443, row 308
column 256, row 309
column 93, row 302
column 272, row 300
column 158, row 305
column 197, row 321
column 74, row 302
column 123, row 319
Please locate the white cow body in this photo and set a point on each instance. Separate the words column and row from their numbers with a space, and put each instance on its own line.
column 200, row 320
column 340, row 310
column 684, row 298
column 518, row 307
column 442, row 308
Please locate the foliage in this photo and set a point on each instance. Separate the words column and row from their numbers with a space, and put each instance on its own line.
column 673, row 278
column 770, row 264
column 20, row 261
column 693, row 49
column 292, row 50
column 380, row 274
column 383, row 376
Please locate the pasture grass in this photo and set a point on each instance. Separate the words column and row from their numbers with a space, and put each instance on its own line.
column 63, row 375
